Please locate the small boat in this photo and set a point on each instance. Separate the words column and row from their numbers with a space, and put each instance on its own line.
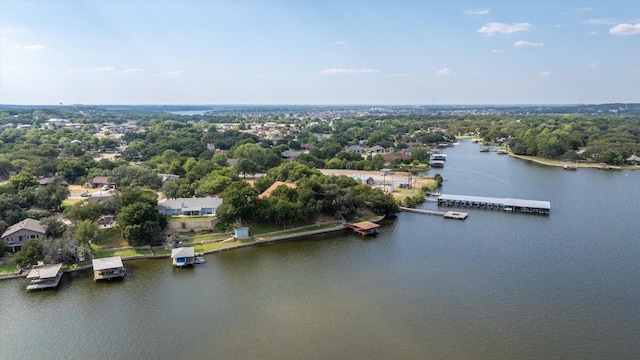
column 198, row 260
column 502, row 152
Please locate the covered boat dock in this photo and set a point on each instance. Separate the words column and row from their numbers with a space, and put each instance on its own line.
column 45, row 277
column 363, row 228
column 108, row 268
column 505, row 204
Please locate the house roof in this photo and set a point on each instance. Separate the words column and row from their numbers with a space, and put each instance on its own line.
column 26, row 224
column 633, row 158
column 107, row 263
column 275, row 185
column 391, row 156
column 44, row 272
column 185, row 203
column 183, row 252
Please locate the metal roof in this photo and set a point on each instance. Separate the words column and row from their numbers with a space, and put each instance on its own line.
column 107, row 263
column 505, row 201
column 183, row 252
column 44, row 272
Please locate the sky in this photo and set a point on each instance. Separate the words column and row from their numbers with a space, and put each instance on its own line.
column 319, row 52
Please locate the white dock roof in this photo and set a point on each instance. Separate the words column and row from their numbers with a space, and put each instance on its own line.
column 183, row 252
column 107, row 263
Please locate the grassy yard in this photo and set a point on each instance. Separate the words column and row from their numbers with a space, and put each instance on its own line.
column 209, row 237
column 8, row 269
column 162, row 252
column 310, row 228
column 122, row 253
column 220, row 245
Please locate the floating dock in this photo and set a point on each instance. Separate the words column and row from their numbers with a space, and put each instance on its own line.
column 459, row 215
column 505, row 204
column 363, row 228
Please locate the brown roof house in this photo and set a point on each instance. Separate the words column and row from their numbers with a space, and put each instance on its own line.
column 98, row 181
column 17, row 235
column 267, row 193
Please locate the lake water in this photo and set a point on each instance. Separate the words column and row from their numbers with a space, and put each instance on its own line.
column 495, row 286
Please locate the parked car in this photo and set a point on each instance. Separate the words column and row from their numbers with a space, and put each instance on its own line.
column 85, row 194
column 105, row 188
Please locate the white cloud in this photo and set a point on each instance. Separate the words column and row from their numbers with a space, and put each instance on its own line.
column 500, row 28
column 477, row 12
column 592, row 33
column 443, row 72
column 625, row 29
column 340, row 71
column 592, row 65
column 337, row 43
column 522, row 43
column 544, row 74
column 34, row 47
column 497, row 51
column 104, row 69
column 584, row 9
column 132, row 71
column 173, row 73
column 599, row 22
column 557, row 26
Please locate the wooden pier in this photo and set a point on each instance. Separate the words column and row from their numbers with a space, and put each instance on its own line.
column 459, row 215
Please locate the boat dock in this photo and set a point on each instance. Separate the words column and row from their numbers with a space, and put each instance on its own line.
column 459, row 215
column 45, row 277
column 363, row 228
column 505, row 204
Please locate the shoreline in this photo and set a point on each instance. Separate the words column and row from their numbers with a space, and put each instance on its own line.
column 547, row 162
column 258, row 240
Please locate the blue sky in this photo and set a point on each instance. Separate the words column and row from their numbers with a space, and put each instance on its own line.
column 319, row 52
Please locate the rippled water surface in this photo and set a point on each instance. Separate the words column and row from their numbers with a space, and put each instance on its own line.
column 495, row 286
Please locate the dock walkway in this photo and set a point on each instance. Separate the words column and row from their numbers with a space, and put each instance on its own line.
column 459, row 215
column 506, row 204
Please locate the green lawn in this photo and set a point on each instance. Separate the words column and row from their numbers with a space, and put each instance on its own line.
column 162, row 252
column 220, row 245
column 8, row 269
column 122, row 253
column 304, row 229
column 209, row 237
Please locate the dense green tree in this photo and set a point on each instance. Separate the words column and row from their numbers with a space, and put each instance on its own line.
column 30, row 253
column 86, row 232
column 239, row 201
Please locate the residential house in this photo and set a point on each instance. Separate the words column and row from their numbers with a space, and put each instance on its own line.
column 633, row 160
column 17, row 235
column 189, row 206
column 98, row 181
column 377, row 149
column 274, row 186
column 108, row 268
column 290, row 154
column 355, row 148
column 182, row 256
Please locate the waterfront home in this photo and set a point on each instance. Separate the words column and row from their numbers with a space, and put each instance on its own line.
column 44, row 277
column 189, row 206
column 633, row 160
column 17, row 234
column 275, row 185
column 108, row 268
column 182, row 256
